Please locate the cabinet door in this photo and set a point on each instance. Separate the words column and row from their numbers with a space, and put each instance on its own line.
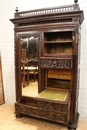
column 26, row 63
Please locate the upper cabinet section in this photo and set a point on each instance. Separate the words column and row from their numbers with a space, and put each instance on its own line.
column 56, row 43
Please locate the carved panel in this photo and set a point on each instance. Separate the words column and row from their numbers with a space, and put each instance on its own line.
column 55, row 63
column 43, row 22
column 42, row 113
column 57, row 107
column 45, row 28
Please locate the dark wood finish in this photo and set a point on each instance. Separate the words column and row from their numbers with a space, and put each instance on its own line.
column 58, row 32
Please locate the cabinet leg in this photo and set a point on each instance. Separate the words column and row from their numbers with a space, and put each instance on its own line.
column 18, row 115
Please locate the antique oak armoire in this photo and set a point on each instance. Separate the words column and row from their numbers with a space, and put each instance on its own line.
column 47, row 41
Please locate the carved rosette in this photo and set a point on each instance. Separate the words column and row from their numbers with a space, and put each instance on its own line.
column 55, row 63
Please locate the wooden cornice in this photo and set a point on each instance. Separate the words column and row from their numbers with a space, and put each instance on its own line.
column 48, row 14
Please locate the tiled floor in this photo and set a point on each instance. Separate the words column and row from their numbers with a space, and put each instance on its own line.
column 8, row 121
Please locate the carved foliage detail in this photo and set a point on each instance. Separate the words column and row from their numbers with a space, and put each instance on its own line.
column 56, row 63
column 45, row 28
column 57, row 107
column 41, row 113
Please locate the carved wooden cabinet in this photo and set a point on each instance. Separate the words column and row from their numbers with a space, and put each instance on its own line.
column 56, row 33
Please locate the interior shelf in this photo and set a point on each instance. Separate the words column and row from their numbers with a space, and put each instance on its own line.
column 67, row 41
column 58, row 48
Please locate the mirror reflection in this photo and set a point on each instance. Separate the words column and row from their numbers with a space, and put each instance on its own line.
column 29, row 66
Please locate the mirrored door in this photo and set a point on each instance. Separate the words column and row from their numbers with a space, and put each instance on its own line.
column 29, row 66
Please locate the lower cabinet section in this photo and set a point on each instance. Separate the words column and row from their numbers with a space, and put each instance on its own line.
column 57, row 112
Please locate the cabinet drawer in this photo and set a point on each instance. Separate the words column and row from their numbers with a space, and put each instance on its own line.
column 68, row 77
column 59, row 72
column 59, row 63
column 52, row 71
column 42, row 113
column 56, row 107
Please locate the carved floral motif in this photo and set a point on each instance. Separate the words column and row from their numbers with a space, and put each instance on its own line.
column 57, row 107
column 42, row 113
column 56, row 63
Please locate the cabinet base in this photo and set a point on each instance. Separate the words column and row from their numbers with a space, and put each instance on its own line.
column 73, row 125
column 19, row 115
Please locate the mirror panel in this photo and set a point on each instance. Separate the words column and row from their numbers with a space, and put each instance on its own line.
column 29, row 66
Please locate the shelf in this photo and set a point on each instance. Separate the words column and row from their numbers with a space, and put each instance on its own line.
column 59, row 55
column 59, row 83
column 66, row 41
column 57, row 48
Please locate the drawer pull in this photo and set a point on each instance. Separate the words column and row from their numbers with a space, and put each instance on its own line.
column 25, row 111
column 22, row 109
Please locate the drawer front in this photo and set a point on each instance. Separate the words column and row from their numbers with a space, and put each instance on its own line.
column 47, row 62
column 41, row 113
column 68, row 77
column 52, row 71
column 59, row 72
column 56, row 107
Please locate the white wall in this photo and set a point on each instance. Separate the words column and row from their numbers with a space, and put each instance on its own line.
column 7, row 9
